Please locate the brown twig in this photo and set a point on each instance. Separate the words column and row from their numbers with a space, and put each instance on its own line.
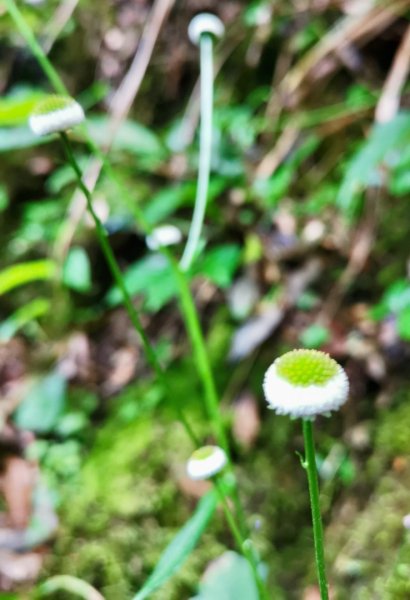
column 361, row 247
column 389, row 101
column 348, row 30
column 119, row 109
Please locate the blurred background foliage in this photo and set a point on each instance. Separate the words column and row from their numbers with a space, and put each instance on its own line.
column 306, row 244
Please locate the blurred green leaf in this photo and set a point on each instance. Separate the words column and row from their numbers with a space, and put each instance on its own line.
column 368, row 166
column 77, row 270
column 131, row 137
column 151, row 277
column 314, row 336
column 229, row 579
column 4, row 198
column 44, row 404
column 403, row 324
column 219, row 264
column 395, row 299
column 181, row 546
column 15, row 108
column 27, row 313
column 16, row 138
column 22, row 273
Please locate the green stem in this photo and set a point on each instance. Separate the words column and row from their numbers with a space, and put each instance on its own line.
column 119, row 280
column 190, row 313
column 310, row 465
column 205, row 148
column 243, row 544
column 35, row 47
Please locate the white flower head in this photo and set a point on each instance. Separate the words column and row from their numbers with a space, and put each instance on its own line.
column 205, row 23
column 206, row 462
column 54, row 114
column 165, row 235
column 305, row 383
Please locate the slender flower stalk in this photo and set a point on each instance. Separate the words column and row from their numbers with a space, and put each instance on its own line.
column 310, row 466
column 201, row 29
column 208, row 462
column 119, row 280
column 307, row 383
column 187, row 304
column 244, row 545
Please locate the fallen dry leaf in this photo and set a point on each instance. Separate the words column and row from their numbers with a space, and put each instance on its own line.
column 17, row 484
column 246, row 422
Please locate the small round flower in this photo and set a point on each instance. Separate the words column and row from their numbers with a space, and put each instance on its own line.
column 165, row 235
column 205, row 23
column 305, row 383
column 206, row 462
column 54, row 114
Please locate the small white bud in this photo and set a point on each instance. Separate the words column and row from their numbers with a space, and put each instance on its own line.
column 165, row 235
column 54, row 114
column 206, row 462
column 205, row 23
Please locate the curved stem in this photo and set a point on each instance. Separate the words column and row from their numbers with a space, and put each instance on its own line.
column 310, row 466
column 243, row 544
column 205, row 147
column 119, row 280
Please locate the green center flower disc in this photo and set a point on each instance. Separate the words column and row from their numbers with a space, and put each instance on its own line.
column 306, row 367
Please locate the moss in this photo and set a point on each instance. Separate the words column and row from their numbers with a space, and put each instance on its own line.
column 393, row 434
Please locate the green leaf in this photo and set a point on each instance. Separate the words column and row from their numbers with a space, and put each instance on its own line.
column 151, row 277
column 403, row 324
column 15, row 108
column 70, row 584
column 23, row 273
column 395, row 299
column 230, row 579
column 368, row 165
column 44, row 404
column 314, row 336
column 181, row 546
column 77, row 270
column 219, row 264
column 16, row 138
column 27, row 313
column 131, row 137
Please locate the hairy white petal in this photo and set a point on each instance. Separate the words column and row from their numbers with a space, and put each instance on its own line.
column 207, row 467
column 57, row 120
column 205, row 23
column 305, row 401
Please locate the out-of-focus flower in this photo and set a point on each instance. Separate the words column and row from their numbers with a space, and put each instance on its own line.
column 165, row 235
column 55, row 114
column 206, row 462
column 305, row 383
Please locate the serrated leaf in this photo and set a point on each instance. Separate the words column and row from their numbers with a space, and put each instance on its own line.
column 181, row 546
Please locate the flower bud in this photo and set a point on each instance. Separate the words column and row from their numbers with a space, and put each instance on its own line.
column 206, row 462
column 55, row 114
column 205, row 23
